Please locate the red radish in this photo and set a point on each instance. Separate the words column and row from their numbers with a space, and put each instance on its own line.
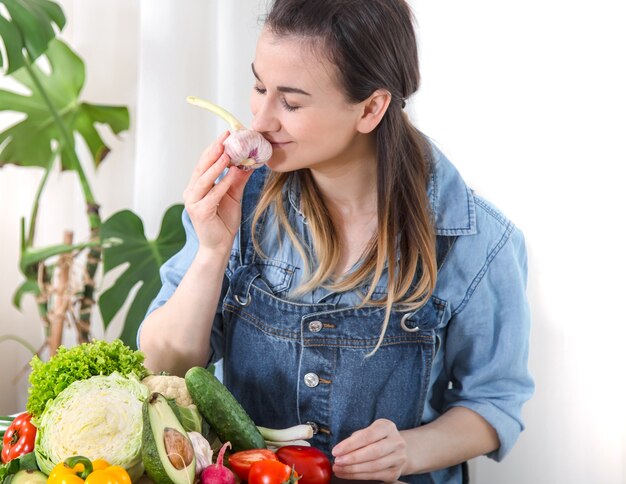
column 217, row 473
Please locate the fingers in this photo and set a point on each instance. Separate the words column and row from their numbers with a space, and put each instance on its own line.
column 361, row 438
column 208, row 158
column 203, row 184
column 377, row 452
column 239, row 183
column 223, row 199
column 375, row 464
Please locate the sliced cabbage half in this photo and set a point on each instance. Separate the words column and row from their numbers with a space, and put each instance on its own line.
column 99, row 418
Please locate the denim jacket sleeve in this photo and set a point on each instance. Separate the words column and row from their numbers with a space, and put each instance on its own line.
column 486, row 351
column 172, row 272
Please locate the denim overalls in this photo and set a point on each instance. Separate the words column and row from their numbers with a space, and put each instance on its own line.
column 291, row 361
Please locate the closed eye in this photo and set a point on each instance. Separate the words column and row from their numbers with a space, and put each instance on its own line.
column 288, row 106
column 283, row 101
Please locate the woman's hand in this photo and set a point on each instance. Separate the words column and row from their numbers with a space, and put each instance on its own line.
column 376, row 453
column 215, row 209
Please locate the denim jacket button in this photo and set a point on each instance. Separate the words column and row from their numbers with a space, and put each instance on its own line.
column 311, row 380
column 315, row 326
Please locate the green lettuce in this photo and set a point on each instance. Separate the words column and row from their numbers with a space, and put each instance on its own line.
column 99, row 418
column 48, row 379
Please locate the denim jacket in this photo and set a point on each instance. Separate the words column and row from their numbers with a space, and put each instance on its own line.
column 293, row 360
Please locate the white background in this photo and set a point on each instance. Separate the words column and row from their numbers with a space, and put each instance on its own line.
column 526, row 98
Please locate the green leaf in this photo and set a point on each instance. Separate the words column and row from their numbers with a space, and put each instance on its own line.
column 144, row 258
column 30, row 142
column 29, row 286
column 28, row 462
column 32, row 256
column 29, row 28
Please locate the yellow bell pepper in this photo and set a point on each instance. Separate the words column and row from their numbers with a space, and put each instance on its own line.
column 80, row 470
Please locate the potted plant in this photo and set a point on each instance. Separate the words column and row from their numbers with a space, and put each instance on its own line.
column 45, row 140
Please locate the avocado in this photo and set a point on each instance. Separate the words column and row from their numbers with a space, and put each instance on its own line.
column 28, row 477
column 189, row 416
column 166, row 449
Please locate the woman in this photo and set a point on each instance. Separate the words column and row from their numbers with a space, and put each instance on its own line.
column 405, row 370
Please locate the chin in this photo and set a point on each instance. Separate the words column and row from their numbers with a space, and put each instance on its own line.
column 278, row 164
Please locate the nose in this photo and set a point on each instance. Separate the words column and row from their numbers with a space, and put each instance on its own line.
column 265, row 119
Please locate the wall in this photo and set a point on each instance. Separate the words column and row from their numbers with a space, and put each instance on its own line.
column 526, row 98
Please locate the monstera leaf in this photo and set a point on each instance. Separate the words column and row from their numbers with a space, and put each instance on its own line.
column 144, row 258
column 29, row 143
column 28, row 28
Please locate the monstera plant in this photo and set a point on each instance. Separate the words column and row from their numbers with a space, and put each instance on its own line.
column 45, row 139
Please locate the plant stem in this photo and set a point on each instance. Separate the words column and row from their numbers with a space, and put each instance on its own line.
column 62, row 296
column 33, row 214
column 17, row 339
column 215, row 109
column 93, row 211
column 38, row 271
column 94, row 219
column 42, row 302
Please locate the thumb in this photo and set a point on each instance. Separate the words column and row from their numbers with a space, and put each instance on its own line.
column 240, row 178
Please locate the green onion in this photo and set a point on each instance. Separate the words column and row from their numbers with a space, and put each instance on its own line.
column 277, row 445
column 297, row 432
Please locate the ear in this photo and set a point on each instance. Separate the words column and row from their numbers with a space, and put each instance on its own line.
column 374, row 108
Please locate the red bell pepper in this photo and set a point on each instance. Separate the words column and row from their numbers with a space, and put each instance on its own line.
column 19, row 438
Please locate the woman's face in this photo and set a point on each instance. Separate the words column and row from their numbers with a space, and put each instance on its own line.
column 299, row 106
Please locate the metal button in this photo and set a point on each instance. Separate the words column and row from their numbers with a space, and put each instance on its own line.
column 311, row 380
column 315, row 326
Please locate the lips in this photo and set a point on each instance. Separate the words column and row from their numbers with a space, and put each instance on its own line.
column 277, row 144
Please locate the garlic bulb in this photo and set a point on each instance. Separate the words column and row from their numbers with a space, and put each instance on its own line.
column 202, row 451
column 248, row 148
column 245, row 147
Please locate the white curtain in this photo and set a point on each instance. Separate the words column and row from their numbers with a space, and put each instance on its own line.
column 526, row 98
column 148, row 56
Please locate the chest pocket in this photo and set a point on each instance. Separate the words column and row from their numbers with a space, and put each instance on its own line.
column 276, row 274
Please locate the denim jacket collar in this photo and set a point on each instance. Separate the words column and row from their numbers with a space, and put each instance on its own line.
column 455, row 214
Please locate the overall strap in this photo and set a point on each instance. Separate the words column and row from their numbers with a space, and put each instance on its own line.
column 251, row 195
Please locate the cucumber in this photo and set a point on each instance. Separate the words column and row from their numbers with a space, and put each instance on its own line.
column 222, row 411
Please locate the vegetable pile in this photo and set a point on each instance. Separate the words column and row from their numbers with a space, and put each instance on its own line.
column 49, row 379
column 101, row 416
column 95, row 415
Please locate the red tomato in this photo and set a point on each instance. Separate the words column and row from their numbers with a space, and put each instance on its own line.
column 19, row 438
column 240, row 462
column 271, row 472
column 309, row 462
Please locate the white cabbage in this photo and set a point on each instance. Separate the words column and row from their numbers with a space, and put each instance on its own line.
column 99, row 418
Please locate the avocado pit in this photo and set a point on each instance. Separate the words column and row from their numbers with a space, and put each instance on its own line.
column 178, row 448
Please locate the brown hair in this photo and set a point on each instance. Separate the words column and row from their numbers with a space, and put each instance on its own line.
column 373, row 42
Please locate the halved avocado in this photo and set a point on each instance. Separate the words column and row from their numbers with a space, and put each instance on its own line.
column 28, row 477
column 166, row 450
